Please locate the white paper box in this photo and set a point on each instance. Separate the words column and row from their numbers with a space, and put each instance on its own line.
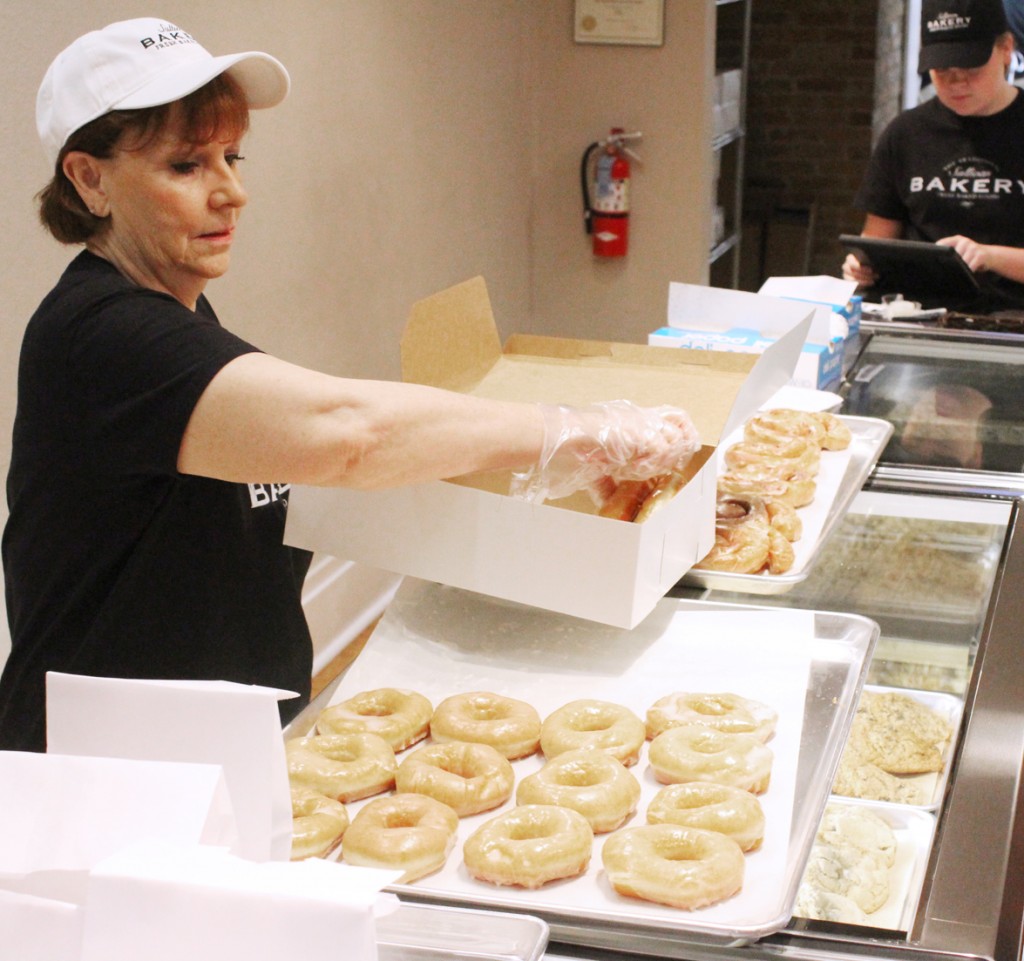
column 39, row 929
column 64, row 814
column 174, row 903
column 470, row 534
column 235, row 726
column 828, row 293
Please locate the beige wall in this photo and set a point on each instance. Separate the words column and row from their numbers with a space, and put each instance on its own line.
column 424, row 142
column 579, row 91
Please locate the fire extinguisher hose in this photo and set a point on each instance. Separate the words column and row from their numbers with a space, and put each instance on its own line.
column 585, row 185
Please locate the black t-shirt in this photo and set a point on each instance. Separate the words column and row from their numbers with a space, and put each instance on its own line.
column 114, row 563
column 941, row 174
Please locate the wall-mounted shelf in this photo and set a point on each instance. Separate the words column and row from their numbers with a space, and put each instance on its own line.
column 732, row 55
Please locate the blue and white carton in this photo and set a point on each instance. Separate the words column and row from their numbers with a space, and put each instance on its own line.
column 712, row 318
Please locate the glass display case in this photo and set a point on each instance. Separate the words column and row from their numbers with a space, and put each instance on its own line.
column 940, row 575
column 933, row 552
column 953, row 398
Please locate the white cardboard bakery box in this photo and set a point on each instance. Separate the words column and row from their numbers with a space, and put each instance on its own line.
column 560, row 556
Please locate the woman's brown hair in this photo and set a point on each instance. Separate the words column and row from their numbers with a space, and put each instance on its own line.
column 217, row 109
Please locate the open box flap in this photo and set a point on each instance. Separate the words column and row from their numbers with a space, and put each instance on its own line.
column 452, row 341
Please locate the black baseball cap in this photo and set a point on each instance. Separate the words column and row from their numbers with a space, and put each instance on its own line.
column 959, row 33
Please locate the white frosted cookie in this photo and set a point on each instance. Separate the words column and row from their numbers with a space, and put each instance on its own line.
column 812, row 902
column 846, row 870
column 861, row 828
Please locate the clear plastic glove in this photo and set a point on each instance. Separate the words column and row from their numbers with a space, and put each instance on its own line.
column 593, row 448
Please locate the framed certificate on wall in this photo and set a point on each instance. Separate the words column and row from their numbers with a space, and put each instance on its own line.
column 640, row 22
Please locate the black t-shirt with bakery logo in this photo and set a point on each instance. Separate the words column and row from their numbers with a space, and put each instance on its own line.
column 114, row 563
column 941, row 174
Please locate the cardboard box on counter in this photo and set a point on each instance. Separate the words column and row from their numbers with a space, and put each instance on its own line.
column 713, row 318
column 829, row 293
column 470, row 533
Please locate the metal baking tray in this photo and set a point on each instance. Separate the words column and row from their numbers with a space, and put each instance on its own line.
column 840, row 478
column 915, row 831
column 419, row 932
column 921, row 565
column 810, row 665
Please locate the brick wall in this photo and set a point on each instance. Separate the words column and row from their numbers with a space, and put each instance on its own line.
column 815, row 67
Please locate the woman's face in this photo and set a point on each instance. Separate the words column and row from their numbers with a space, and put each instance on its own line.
column 173, row 207
column 977, row 91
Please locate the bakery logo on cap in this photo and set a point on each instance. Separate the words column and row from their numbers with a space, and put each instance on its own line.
column 946, row 23
column 168, row 36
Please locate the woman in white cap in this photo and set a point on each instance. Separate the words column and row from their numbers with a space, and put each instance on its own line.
column 951, row 170
column 153, row 450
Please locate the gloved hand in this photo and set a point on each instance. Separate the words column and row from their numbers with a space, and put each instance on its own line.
column 597, row 446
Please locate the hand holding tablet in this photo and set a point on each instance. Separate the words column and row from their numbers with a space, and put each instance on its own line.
column 933, row 274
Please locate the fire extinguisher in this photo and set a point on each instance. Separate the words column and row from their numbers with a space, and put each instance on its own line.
column 605, row 184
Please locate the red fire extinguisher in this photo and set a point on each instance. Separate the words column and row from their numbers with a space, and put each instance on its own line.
column 605, row 184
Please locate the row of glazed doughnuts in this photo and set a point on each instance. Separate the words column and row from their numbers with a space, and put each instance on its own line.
column 767, row 477
column 583, row 789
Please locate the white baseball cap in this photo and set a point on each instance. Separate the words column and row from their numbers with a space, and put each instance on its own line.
column 141, row 63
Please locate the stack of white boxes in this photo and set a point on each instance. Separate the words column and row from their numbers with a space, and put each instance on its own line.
column 728, row 92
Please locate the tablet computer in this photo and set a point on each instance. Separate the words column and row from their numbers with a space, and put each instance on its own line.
column 932, row 274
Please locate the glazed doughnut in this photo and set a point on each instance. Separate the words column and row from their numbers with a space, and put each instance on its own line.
column 737, row 550
column 784, row 518
column 625, row 501
column 721, row 710
column 745, row 528
column 665, row 488
column 345, row 767
column 590, row 782
column 589, row 723
column 837, row 435
column 737, row 510
column 400, row 717
column 781, row 423
column 781, row 555
column 529, row 846
column 407, row 832
column 712, row 807
column 509, row 725
column 797, row 489
column 792, row 454
column 779, row 445
column 318, row 823
column 696, row 753
column 777, row 468
column 637, row 500
column 682, row 867
column 469, row 778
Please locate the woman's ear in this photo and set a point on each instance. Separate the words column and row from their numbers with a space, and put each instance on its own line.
column 1007, row 45
column 86, row 174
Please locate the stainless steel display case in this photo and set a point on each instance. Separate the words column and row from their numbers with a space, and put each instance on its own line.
column 963, row 641
column 933, row 550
